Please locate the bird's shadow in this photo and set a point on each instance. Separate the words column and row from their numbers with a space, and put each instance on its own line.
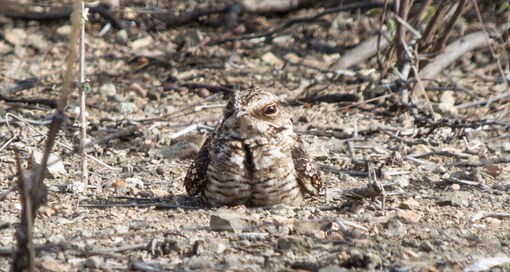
column 171, row 202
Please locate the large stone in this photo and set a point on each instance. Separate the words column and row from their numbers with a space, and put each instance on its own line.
column 64, row 32
column 180, row 150
column 298, row 244
column 108, row 89
column 228, row 222
column 55, row 166
column 15, row 36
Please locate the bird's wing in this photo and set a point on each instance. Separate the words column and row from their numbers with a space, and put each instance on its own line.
column 308, row 176
column 196, row 177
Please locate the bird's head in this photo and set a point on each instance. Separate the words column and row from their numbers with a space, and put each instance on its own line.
column 255, row 112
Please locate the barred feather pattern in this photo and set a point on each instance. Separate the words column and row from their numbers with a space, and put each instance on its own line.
column 253, row 157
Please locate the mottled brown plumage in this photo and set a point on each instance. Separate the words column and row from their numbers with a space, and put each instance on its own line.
column 253, row 157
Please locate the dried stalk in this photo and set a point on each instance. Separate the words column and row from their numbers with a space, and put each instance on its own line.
column 32, row 186
column 24, row 256
column 441, row 42
column 83, row 110
column 493, row 53
column 432, row 25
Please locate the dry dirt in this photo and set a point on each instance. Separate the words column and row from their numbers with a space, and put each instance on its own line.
column 137, row 215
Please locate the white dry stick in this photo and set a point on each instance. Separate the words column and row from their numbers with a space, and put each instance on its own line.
column 452, row 52
column 482, row 214
column 83, row 90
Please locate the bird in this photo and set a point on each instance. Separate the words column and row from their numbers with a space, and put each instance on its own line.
column 253, row 157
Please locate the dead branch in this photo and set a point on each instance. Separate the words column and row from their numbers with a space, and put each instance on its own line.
column 19, row 85
column 192, row 16
column 30, row 200
column 32, row 186
column 439, row 153
column 363, row 51
column 483, row 101
column 328, row 98
column 83, row 89
column 432, row 25
column 452, row 52
column 192, row 85
column 482, row 214
column 448, row 181
column 269, row 34
column 52, row 103
column 402, row 9
column 443, row 38
column 479, row 163
column 16, row 10
column 493, row 53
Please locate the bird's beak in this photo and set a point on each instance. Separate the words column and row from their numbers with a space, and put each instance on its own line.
column 241, row 113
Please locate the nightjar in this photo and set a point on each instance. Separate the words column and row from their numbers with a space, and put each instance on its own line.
column 253, row 157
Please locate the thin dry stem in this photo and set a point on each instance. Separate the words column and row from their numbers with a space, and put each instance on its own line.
column 83, row 110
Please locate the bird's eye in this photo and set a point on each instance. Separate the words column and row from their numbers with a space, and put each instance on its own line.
column 270, row 110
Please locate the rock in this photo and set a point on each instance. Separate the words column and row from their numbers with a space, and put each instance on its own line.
column 401, row 181
column 180, row 150
column 38, row 41
column 409, row 204
column 94, row 262
column 15, row 36
column 447, row 103
column 76, row 187
column 283, row 39
column 273, row 60
column 297, row 244
column 141, row 43
column 394, row 228
column 199, row 247
column 189, row 37
column 5, row 48
column 455, row 199
column 121, row 37
column 408, row 216
column 64, row 32
column 486, row 264
column 203, row 92
column 49, row 264
column 461, row 175
column 127, row 107
column 55, row 166
column 228, row 222
column 217, row 246
column 108, row 89
column 282, row 209
column 307, row 228
column 318, row 150
column 135, row 182
column 254, row 236
column 426, row 246
column 232, row 260
column 138, row 225
column 199, row 262
column 334, row 268
column 420, row 148
column 168, row 246
column 138, row 89
column 112, row 4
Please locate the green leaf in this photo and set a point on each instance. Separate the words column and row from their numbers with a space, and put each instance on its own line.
column 503, row 6
column 374, row 11
column 391, row 24
column 86, row 88
column 428, row 13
